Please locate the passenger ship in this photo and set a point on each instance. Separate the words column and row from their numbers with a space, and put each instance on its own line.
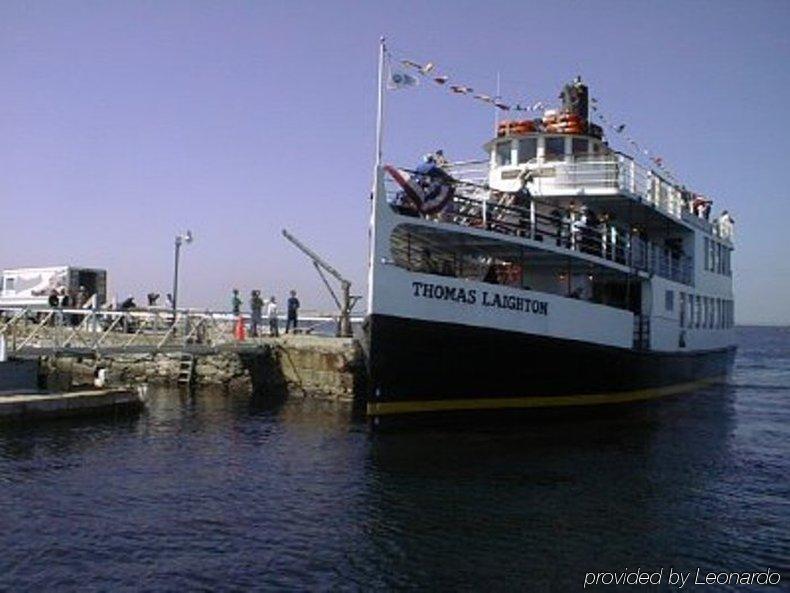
column 555, row 272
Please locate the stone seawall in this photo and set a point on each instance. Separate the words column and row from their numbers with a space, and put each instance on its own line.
column 294, row 366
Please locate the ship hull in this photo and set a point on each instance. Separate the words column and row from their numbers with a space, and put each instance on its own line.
column 419, row 366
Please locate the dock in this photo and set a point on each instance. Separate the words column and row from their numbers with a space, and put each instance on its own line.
column 34, row 406
column 189, row 349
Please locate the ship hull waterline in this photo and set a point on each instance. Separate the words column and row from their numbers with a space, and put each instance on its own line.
column 417, row 367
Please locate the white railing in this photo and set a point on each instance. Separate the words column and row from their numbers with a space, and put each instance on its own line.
column 499, row 213
column 615, row 173
column 28, row 330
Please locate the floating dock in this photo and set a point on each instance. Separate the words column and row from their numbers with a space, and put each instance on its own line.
column 34, row 406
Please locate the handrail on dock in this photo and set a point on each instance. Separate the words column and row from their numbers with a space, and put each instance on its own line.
column 43, row 330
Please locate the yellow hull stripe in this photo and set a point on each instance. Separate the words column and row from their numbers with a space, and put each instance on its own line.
column 542, row 401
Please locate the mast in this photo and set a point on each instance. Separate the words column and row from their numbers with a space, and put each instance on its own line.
column 380, row 104
column 377, row 183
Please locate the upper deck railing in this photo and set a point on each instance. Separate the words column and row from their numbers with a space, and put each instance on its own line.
column 613, row 173
column 472, row 206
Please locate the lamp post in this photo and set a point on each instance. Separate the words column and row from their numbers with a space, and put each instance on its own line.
column 185, row 238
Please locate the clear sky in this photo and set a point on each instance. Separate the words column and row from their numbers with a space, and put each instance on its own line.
column 122, row 123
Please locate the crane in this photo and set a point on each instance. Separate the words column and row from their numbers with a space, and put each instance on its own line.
column 346, row 301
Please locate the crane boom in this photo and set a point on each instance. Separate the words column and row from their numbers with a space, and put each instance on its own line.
column 317, row 259
column 346, row 302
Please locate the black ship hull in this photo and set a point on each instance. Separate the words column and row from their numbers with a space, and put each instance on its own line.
column 420, row 366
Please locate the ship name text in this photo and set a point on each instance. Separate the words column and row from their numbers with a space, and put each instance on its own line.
column 484, row 298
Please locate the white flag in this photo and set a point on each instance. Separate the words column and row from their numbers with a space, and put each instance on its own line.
column 401, row 80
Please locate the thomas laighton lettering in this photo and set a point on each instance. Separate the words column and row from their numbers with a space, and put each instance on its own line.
column 471, row 296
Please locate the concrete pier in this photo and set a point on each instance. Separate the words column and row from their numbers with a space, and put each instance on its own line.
column 77, row 403
column 294, row 366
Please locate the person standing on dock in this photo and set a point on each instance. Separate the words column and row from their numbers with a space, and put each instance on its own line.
column 256, row 308
column 271, row 314
column 293, row 312
column 235, row 303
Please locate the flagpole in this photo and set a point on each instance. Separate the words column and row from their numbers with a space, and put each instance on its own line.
column 380, row 106
column 498, row 98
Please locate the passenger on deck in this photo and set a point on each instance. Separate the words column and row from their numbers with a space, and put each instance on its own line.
column 447, row 269
column 591, row 241
column 578, row 225
column 431, row 169
column 428, row 263
column 491, row 276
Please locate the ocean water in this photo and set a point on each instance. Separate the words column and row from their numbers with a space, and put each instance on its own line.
column 219, row 493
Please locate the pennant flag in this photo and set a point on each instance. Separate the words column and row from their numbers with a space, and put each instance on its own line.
column 427, row 68
column 441, row 79
column 401, row 80
column 485, row 98
column 537, row 106
column 463, row 90
column 411, row 64
column 502, row 106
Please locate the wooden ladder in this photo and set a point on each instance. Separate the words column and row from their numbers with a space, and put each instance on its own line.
column 186, row 370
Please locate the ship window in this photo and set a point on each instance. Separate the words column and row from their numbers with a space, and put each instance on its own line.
column 9, row 283
column 719, row 316
column 697, row 311
column 669, row 300
column 503, row 154
column 555, row 147
column 682, row 309
column 580, row 145
column 709, row 312
column 707, row 254
column 691, row 311
column 527, row 149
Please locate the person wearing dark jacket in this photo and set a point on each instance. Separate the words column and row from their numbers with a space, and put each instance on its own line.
column 235, row 302
column 256, row 308
column 293, row 312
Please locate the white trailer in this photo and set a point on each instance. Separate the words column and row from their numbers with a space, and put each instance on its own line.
column 31, row 287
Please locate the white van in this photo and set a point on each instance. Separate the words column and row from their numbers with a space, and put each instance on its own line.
column 31, row 287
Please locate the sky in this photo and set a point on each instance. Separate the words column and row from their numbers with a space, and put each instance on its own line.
column 125, row 123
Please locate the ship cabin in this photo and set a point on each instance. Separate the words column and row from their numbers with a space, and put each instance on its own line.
column 554, row 209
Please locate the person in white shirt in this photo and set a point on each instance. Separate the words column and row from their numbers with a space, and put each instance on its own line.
column 271, row 314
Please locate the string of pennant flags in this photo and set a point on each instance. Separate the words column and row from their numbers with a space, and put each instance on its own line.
column 640, row 150
column 402, row 79
column 404, row 73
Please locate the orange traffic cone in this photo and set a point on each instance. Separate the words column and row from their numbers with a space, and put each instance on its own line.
column 239, row 332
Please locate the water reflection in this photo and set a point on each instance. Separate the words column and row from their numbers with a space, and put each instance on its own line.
column 556, row 497
column 215, row 491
